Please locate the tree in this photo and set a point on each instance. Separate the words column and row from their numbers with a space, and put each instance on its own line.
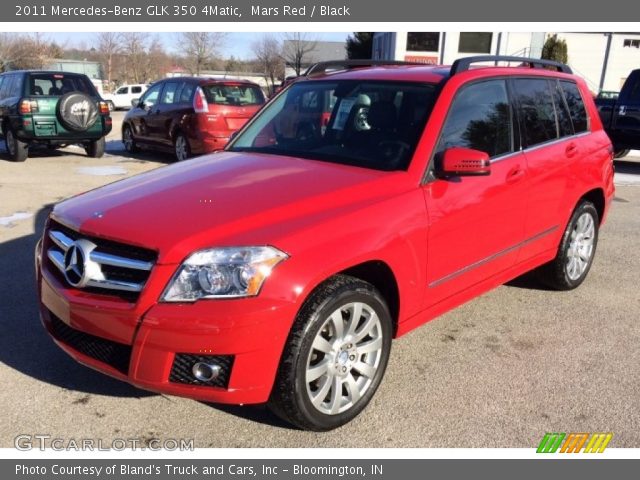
column 200, row 48
column 108, row 47
column 555, row 49
column 360, row 45
column 7, row 50
column 268, row 54
column 134, row 46
column 296, row 47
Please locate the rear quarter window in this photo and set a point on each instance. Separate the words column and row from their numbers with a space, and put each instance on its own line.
column 576, row 106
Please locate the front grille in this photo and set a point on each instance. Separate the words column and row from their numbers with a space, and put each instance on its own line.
column 184, row 362
column 106, row 267
column 106, row 351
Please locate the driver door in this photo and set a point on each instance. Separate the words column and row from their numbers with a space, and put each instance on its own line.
column 140, row 116
column 476, row 223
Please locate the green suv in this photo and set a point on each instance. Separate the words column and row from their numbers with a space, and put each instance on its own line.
column 54, row 109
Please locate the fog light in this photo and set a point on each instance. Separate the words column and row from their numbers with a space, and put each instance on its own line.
column 205, row 372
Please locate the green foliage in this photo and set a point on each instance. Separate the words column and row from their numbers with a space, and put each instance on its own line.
column 555, row 49
column 360, row 45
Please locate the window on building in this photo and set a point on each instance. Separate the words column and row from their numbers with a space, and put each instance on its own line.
column 475, row 42
column 423, row 41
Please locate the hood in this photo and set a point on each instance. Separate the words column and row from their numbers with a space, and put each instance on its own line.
column 222, row 199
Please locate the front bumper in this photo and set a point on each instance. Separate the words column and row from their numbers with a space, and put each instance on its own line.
column 143, row 343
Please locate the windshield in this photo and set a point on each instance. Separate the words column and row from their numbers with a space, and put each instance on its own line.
column 364, row 123
column 235, row 95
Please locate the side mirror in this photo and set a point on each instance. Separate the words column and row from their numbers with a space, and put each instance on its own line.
column 136, row 103
column 459, row 162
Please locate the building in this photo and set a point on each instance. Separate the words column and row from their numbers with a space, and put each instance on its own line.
column 603, row 59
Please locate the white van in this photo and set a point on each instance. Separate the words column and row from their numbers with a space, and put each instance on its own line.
column 124, row 95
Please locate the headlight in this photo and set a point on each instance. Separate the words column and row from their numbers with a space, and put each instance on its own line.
column 223, row 273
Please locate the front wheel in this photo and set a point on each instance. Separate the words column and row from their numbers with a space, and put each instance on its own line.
column 95, row 148
column 335, row 357
column 128, row 141
column 576, row 252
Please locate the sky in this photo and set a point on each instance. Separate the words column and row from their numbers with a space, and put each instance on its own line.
column 237, row 44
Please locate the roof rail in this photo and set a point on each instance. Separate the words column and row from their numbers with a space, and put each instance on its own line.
column 321, row 68
column 463, row 64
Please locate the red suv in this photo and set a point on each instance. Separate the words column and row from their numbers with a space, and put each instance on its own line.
column 190, row 116
column 280, row 270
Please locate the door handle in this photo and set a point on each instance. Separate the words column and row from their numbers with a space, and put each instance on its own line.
column 571, row 150
column 515, row 174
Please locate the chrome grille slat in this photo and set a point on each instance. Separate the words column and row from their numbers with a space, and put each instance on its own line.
column 117, row 261
column 116, row 285
column 112, row 271
column 57, row 259
column 61, row 240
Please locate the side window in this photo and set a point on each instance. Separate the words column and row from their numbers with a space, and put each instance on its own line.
column 480, row 118
column 16, row 86
column 136, row 89
column 576, row 106
column 6, row 86
column 187, row 92
column 537, row 110
column 169, row 92
column 150, row 97
column 565, row 127
column 123, row 91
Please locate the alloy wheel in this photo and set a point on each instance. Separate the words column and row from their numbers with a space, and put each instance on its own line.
column 344, row 357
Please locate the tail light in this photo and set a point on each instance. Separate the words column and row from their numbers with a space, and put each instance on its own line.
column 104, row 108
column 200, row 104
column 28, row 106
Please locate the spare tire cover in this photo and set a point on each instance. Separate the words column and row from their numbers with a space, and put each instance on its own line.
column 77, row 111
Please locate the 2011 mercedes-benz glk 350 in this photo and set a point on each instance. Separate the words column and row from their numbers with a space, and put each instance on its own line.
column 360, row 203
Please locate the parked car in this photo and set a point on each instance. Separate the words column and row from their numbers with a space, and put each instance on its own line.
column 621, row 116
column 123, row 97
column 280, row 269
column 190, row 115
column 54, row 109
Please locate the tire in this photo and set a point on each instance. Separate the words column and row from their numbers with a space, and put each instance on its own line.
column 95, row 148
column 318, row 362
column 621, row 153
column 576, row 251
column 77, row 112
column 182, row 149
column 128, row 141
column 18, row 150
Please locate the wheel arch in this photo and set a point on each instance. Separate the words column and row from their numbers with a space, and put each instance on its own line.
column 595, row 196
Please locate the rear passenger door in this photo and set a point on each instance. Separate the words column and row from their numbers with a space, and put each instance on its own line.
column 551, row 149
column 476, row 224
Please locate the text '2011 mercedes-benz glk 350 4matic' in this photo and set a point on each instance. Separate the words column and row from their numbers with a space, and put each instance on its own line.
column 361, row 202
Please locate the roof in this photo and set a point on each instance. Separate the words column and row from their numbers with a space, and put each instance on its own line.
column 208, row 79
